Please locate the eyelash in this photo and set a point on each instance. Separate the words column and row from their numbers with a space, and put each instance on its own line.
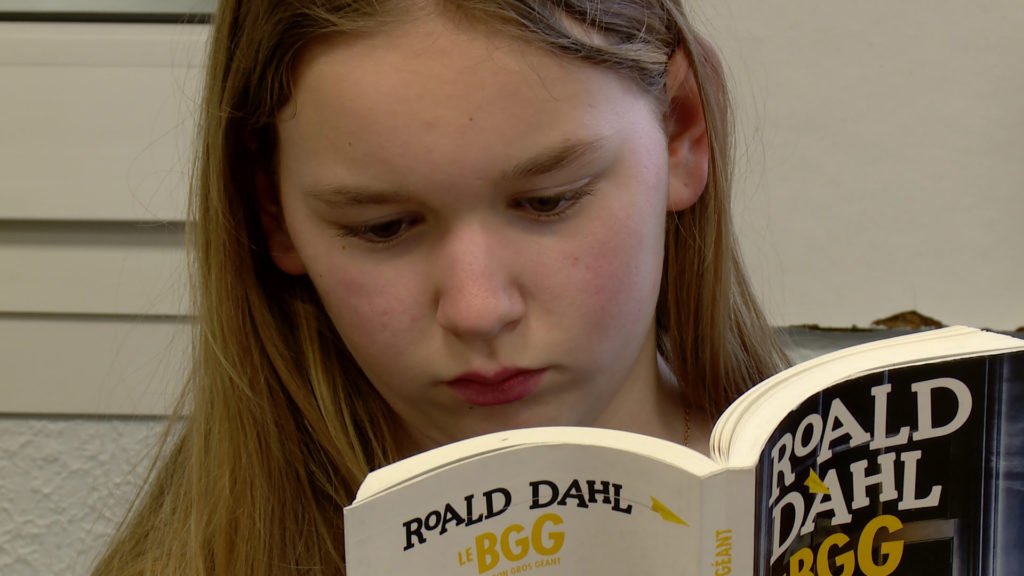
column 364, row 232
column 567, row 202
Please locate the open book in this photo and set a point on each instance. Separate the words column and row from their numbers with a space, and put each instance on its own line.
column 902, row 456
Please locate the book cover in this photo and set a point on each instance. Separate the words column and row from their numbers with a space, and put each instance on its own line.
column 914, row 470
column 554, row 509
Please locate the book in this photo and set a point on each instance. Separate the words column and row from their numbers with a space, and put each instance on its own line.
column 901, row 456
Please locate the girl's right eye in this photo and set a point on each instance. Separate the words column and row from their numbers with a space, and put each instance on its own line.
column 382, row 233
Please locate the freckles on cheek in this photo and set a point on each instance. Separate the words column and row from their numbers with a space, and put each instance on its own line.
column 615, row 281
column 364, row 312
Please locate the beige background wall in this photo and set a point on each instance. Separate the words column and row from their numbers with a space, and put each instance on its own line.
column 882, row 156
column 97, row 121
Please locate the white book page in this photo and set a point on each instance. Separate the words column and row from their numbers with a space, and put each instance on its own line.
column 420, row 465
column 551, row 509
column 746, row 426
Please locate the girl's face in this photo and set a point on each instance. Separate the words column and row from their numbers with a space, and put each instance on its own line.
column 484, row 222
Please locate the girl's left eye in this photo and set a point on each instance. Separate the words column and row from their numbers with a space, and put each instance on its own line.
column 555, row 205
column 380, row 233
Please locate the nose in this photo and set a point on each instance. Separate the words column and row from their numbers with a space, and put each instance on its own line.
column 478, row 295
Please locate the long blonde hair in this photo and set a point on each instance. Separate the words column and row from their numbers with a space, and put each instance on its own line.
column 278, row 425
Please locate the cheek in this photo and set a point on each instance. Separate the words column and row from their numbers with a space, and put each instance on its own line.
column 370, row 305
column 615, row 274
column 373, row 314
column 621, row 255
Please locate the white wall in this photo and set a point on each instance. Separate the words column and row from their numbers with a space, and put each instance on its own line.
column 64, row 486
column 881, row 156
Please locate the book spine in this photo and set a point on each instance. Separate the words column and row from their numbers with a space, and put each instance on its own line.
column 727, row 523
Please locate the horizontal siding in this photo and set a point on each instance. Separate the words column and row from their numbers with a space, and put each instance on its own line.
column 102, row 45
column 92, row 268
column 94, row 159
column 97, row 120
column 91, row 364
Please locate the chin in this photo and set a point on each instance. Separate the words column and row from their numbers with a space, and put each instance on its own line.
column 518, row 421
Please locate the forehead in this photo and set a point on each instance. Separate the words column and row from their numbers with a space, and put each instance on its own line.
column 432, row 92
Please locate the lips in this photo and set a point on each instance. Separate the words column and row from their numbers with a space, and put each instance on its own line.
column 503, row 387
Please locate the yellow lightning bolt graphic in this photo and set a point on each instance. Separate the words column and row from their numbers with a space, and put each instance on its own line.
column 666, row 514
column 814, row 484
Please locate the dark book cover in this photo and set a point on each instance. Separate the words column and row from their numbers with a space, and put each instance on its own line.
column 914, row 470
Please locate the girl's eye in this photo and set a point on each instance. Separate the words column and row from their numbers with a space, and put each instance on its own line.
column 544, row 204
column 383, row 232
column 555, row 205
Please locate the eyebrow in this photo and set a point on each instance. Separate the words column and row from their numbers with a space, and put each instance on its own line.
column 548, row 161
column 342, row 196
column 554, row 159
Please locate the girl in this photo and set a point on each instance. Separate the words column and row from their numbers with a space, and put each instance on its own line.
column 415, row 222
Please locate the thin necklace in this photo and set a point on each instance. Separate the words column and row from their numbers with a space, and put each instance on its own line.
column 686, row 424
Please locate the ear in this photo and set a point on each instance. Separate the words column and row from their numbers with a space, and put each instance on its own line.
column 688, row 153
column 275, row 229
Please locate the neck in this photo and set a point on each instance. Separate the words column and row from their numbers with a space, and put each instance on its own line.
column 650, row 403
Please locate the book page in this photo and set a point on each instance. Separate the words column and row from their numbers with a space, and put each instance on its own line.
column 913, row 470
column 544, row 509
column 447, row 456
column 741, row 432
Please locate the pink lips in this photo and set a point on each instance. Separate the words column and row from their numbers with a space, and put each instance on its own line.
column 503, row 387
